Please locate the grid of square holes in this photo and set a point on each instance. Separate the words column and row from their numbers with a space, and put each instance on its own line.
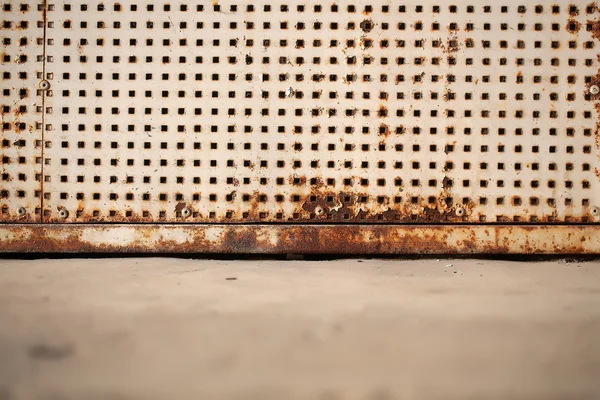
column 21, row 63
column 358, row 111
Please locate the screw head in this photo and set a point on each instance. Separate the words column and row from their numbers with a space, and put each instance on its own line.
column 21, row 211
column 460, row 211
column 44, row 85
column 186, row 212
column 595, row 211
column 319, row 210
column 64, row 214
column 594, row 89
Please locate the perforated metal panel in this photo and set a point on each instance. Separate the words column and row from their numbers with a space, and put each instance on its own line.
column 445, row 112
column 21, row 105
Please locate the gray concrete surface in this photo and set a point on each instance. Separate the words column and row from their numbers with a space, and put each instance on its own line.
column 352, row 329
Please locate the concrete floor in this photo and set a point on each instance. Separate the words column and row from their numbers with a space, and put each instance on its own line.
column 156, row 328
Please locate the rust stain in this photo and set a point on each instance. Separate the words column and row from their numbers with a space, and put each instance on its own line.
column 180, row 206
column 452, row 45
column 384, row 130
column 295, row 180
column 303, row 239
column 573, row 10
column 573, row 26
column 594, row 81
column 331, row 206
column 367, row 25
column 595, row 31
column 18, row 127
column 519, row 75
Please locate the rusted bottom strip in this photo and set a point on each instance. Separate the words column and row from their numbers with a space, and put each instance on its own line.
column 302, row 239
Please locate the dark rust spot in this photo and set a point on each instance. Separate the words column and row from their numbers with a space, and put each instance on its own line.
column 180, row 206
column 367, row 25
column 19, row 126
column 330, row 206
column 384, row 130
column 296, row 180
column 573, row 10
column 573, row 26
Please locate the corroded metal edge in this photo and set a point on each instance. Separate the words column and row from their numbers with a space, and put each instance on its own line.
column 302, row 239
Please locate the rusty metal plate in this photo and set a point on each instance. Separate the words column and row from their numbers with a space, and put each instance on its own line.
column 389, row 116
column 301, row 239
column 322, row 112
column 21, row 106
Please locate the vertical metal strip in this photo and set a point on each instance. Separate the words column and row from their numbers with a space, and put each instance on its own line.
column 45, row 20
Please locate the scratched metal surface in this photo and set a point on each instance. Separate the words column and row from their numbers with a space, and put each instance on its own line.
column 361, row 112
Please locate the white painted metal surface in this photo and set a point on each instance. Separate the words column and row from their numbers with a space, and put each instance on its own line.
column 21, row 64
column 447, row 111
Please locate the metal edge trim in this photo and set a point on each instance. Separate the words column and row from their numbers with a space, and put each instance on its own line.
column 301, row 239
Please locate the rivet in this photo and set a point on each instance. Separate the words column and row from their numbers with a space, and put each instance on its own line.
column 594, row 89
column 319, row 210
column 186, row 212
column 460, row 211
column 64, row 214
column 595, row 211
column 21, row 211
column 45, row 85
